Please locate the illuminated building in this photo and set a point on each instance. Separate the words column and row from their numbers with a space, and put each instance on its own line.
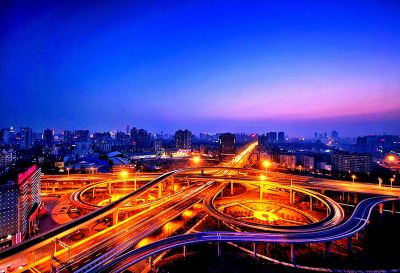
column 281, row 137
column 307, row 162
column 5, row 136
column 183, row 139
column 346, row 162
column 48, row 137
column 227, row 146
column 26, row 138
column 19, row 206
column 7, row 157
column 81, row 135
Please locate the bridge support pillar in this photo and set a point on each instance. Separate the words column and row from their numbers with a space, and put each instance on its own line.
column 159, row 190
column 115, row 217
column 109, row 188
column 202, row 172
column 231, row 187
column 261, row 193
column 254, row 251
column 291, row 197
column 349, row 245
column 348, row 197
column 94, row 191
column 218, row 249
column 327, row 250
column 184, row 251
column 355, row 198
column 380, row 208
column 311, row 203
column 53, row 190
column 151, row 262
column 134, row 181
column 292, row 254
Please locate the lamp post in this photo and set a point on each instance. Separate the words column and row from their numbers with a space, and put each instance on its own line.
column 261, row 186
column 196, row 160
column 68, row 171
column 266, row 164
column 391, row 182
column 353, row 177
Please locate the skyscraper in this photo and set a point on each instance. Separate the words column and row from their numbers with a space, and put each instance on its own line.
column 227, row 145
column 271, row 137
column 183, row 139
column 281, row 137
column 21, row 204
column 68, row 137
column 48, row 137
column 26, row 138
column 5, row 136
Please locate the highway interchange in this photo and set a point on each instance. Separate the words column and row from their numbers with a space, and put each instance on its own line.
column 113, row 250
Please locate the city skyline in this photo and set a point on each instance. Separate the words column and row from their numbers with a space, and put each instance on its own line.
column 195, row 65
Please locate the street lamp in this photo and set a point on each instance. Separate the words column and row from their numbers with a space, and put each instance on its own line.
column 262, row 186
column 92, row 170
column 68, row 171
column 391, row 182
column 196, row 160
column 266, row 164
column 124, row 174
column 353, row 177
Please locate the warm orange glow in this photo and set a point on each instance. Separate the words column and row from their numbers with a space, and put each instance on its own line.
column 187, row 214
column 266, row 163
column 196, row 159
column 262, row 177
column 353, row 176
column 124, row 174
column 390, row 158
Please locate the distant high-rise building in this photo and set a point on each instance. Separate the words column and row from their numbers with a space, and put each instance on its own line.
column 5, row 136
column 48, row 137
column 20, row 206
column 335, row 135
column 7, row 158
column 11, row 135
column 81, row 135
column 128, row 130
column 158, row 146
column 141, row 140
column 271, row 137
column 121, row 139
column 134, row 136
column 346, row 162
column 281, row 137
column 227, row 145
column 183, row 139
column 68, row 137
column 26, row 138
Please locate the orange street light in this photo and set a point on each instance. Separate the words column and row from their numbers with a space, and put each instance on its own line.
column 124, row 174
column 196, row 160
column 266, row 164
column 390, row 158
column 68, row 171
column 391, row 182
column 353, row 177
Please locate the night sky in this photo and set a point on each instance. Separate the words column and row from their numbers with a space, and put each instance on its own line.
column 296, row 66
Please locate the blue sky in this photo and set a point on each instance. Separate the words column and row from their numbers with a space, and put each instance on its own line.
column 297, row 66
